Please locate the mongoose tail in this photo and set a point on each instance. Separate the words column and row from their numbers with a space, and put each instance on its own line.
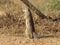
column 36, row 36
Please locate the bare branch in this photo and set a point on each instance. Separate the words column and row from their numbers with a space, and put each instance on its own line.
column 32, row 7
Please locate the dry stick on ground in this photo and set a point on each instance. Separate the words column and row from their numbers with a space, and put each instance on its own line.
column 32, row 7
column 38, row 12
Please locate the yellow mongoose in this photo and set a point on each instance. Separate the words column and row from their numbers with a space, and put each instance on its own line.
column 30, row 31
column 28, row 18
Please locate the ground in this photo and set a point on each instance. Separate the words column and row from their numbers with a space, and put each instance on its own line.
column 12, row 23
column 14, row 40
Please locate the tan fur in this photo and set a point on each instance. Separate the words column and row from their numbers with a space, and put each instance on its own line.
column 27, row 17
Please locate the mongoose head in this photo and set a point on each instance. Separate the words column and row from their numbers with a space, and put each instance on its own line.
column 26, row 12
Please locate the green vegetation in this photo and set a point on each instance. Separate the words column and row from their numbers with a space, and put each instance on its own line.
column 55, row 5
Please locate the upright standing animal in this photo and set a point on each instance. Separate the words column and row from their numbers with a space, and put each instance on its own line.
column 30, row 31
column 29, row 23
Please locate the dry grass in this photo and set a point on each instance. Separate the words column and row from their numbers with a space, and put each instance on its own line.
column 12, row 22
column 12, row 19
